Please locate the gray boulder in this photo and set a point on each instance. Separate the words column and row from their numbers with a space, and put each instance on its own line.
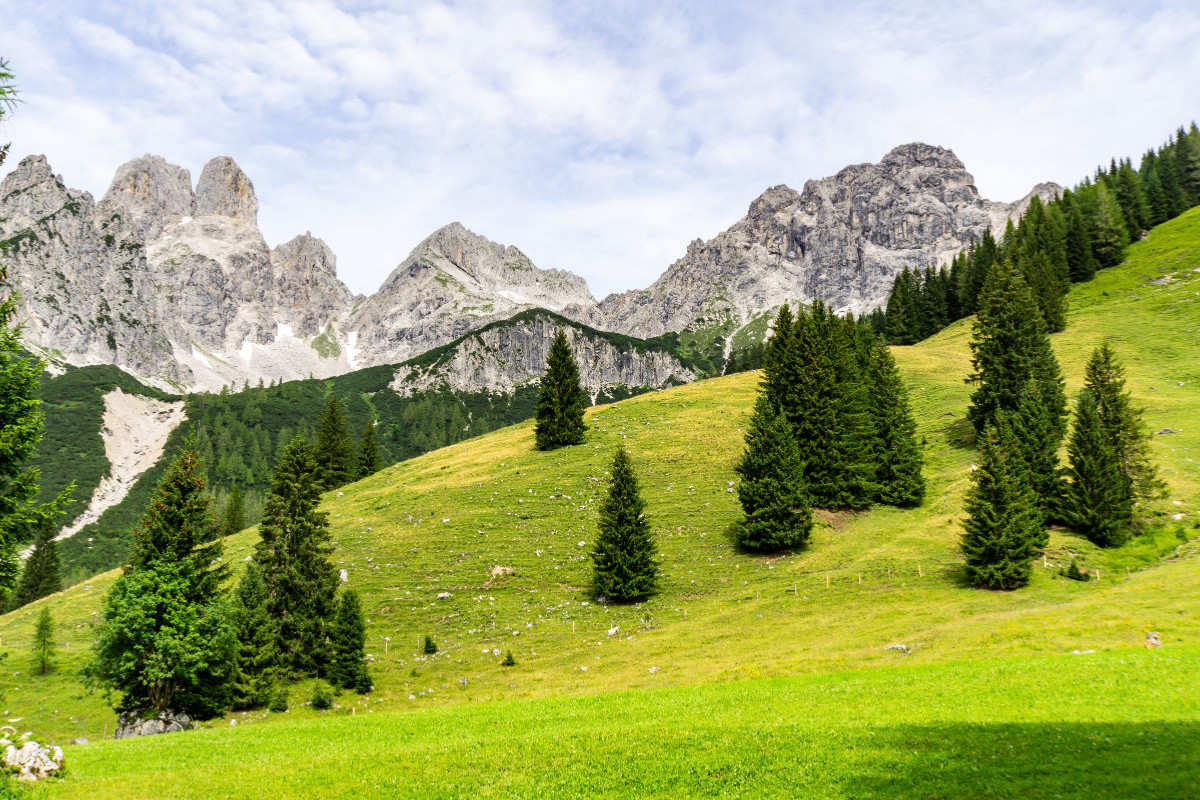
column 135, row 723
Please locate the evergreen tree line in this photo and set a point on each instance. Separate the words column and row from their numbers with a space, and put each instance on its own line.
column 1019, row 411
column 1054, row 245
column 173, row 637
column 831, row 428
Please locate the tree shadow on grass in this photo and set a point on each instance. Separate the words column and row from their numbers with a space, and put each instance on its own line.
column 1031, row 760
column 960, row 434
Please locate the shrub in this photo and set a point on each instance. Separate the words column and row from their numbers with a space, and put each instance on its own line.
column 509, row 661
column 322, row 696
column 279, row 700
column 430, row 646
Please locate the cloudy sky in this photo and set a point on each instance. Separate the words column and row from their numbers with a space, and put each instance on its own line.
column 598, row 137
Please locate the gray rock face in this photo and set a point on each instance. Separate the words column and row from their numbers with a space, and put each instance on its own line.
column 503, row 357
column 224, row 191
column 452, row 283
column 842, row 240
column 132, row 723
column 151, row 193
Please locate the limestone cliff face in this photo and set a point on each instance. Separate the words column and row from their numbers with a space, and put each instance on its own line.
column 452, row 283
column 178, row 287
column 500, row 358
column 842, row 240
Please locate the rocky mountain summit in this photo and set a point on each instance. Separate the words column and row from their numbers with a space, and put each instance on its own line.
column 843, row 240
column 177, row 286
column 504, row 356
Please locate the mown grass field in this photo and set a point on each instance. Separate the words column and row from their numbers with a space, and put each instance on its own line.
column 506, row 530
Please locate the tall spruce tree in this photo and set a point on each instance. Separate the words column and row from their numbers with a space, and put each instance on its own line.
column 1010, row 349
column 1098, row 498
column 624, row 560
column 561, row 399
column 771, row 489
column 1109, row 233
column 41, row 576
column 294, row 555
column 897, row 458
column 333, row 451
column 234, row 519
column 852, row 450
column 348, row 642
column 257, row 656
column 1081, row 264
column 368, row 453
column 1124, row 430
column 166, row 641
column 1003, row 524
column 1039, row 433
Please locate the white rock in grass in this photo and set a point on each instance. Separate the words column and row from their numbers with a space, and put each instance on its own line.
column 343, row 576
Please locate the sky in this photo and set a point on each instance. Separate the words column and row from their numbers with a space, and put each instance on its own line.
column 597, row 137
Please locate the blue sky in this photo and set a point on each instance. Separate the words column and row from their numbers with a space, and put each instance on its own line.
column 597, row 137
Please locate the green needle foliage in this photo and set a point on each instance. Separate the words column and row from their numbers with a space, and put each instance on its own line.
column 43, row 642
column 294, row 555
column 1122, row 422
column 430, row 647
column 624, row 565
column 166, row 641
column 1099, row 496
column 333, row 452
column 1003, row 525
column 369, row 461
column 41, row 576
column 771, row 490
column 257, row 655
column 561, row 399
column 348, row 642
column 898, row 461
column 234, row 519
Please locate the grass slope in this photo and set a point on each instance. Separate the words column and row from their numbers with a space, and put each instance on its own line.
column 507, row 530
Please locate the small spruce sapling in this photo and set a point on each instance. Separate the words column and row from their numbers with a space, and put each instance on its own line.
column 43, row 642
column 509, row 661
column 430, row 646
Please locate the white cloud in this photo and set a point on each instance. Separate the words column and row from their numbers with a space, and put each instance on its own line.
column 596, row 140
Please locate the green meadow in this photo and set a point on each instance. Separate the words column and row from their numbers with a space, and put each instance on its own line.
column 745, row 675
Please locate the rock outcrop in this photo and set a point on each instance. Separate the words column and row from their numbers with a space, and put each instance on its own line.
column 29, row 760
column 133, row 723
column 503, row 357
column 842, row 240
column 452, row 283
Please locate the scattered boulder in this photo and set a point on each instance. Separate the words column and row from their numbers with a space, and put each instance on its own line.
column 444, row 595
column 1153, row 640
column 343, row 576
column 32, row 761
column 134, row 723
column 1166, row 432
column 614, row 630
column 901, row 648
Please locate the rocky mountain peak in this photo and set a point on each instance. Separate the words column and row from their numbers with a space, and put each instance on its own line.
column 307, row 253
column 772, row 200
column 919, row 154
column 225, row 191
column 152, row 193
column 32, row 190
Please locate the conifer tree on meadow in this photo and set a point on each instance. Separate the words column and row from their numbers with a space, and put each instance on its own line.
column 257, row 656
column 771, row 490
column 1124, row 430
column 333, row 451
column 561, row 399
column 234, row 519
column 1098, row 495
column 294, row 555
column 624, row 560
column 348, row 640
column 43, row 641
column 897, row 457
column 368, row 453
column 166, row 641
column 41, row 575
column 1003, row 525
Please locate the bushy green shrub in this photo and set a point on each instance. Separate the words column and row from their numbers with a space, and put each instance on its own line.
column 322, row 696
column 279, row 700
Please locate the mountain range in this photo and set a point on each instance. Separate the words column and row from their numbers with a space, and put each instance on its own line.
column 177, row 286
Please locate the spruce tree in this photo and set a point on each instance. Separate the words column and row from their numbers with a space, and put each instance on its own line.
column 776, row 353
column 1098, row 498
column 166, row 641
column 41, row 576
column 1010, row 348
column 333, row 452
column 561, row 399
column 43, row 642
column 1003, row 524
column 1048, row 290
column 257, row 657
column 624, row 560
column 368, row 453
column 1039, row 432
column 1109, row 234
column 852, row 449
column 1081, row 264
column 348, row 641
column 1124, row 430
column 897, row 458
column 234, row 519
column 294, row 554
column 771, row 489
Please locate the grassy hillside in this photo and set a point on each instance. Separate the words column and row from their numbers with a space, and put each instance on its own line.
column 507, row 530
